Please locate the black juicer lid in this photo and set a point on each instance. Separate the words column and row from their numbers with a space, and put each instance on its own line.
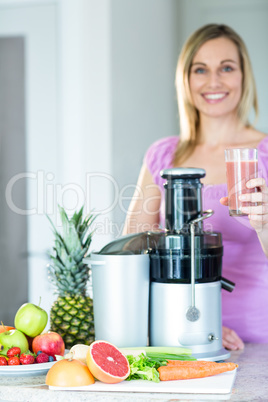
column 183, row 173
column 147, row 242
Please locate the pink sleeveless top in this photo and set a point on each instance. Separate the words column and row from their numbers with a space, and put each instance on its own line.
column 244, row 262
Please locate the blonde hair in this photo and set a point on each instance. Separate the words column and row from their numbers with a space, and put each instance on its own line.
column 189, row 116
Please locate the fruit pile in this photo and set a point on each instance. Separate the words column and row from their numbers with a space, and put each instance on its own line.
column 14, row 357
column 26, row 343
column 106, row 363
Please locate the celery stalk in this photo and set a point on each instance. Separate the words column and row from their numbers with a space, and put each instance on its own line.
column 169, row 356
column 176, row 350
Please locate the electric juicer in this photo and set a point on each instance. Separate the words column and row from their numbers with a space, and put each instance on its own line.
column 185, row 264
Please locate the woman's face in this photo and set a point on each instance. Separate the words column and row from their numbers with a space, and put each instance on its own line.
column 216, row 78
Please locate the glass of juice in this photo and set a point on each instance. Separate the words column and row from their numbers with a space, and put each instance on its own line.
column 241, row 166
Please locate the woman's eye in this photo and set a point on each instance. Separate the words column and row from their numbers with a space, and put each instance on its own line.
column 199, row 70
column 227, row 69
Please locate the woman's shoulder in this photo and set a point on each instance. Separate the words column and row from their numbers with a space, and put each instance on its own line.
column 160, row 155
column 263, row 144
column 257, row 139
column 165, row 142
column 161, row 147
column 253, row 137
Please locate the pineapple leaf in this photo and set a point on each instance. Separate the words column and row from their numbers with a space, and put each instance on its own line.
column 59, row 242
column 70, row 235
column 57, row 263
column 87, row 242
column 77, row 218
column 84, row 228
column 52, row 224
column 80, row 255
column 67, row 271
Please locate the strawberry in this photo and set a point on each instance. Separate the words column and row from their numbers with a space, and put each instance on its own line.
column 3, row 361
column 13, row 352
column 13, row 361
column 42, row 358
column 26, row 358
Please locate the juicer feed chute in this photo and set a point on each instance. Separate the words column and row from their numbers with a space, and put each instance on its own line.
column 183, row 201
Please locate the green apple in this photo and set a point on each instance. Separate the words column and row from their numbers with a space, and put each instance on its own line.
column 11, row 338
column 31, row 319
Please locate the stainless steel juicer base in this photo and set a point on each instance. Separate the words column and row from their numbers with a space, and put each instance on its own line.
column 221, row 354
column 169, row 325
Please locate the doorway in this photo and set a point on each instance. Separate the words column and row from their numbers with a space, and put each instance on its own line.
column 13, row 226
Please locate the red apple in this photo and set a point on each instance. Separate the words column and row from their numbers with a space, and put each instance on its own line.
column 50, row 343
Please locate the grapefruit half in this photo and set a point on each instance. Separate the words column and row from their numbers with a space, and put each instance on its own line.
column 107, row 363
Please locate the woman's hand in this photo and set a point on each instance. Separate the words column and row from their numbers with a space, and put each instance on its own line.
column 258, row 215
column 224, row 201
column 230, row 339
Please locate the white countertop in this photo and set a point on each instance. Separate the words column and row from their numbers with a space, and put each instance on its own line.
column 251, row 383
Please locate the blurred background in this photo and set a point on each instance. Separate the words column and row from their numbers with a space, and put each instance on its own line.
column 85, row 87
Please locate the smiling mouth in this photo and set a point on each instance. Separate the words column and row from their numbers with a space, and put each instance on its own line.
column 215, row 96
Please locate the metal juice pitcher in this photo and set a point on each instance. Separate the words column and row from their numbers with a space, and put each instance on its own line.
column 120, row 285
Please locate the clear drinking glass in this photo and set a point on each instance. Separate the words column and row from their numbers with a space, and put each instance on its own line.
column 241, row 166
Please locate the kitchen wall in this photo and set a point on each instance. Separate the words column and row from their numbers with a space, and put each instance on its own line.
column 145, row 41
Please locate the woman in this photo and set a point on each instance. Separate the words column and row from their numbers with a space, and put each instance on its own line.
column 216, row 92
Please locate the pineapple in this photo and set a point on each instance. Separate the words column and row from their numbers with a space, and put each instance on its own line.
column 71, row 314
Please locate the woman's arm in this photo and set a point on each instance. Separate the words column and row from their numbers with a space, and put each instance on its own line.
column 143, row 212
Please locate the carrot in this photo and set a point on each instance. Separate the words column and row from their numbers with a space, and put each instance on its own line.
column 195, row 363
column 183, row 370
